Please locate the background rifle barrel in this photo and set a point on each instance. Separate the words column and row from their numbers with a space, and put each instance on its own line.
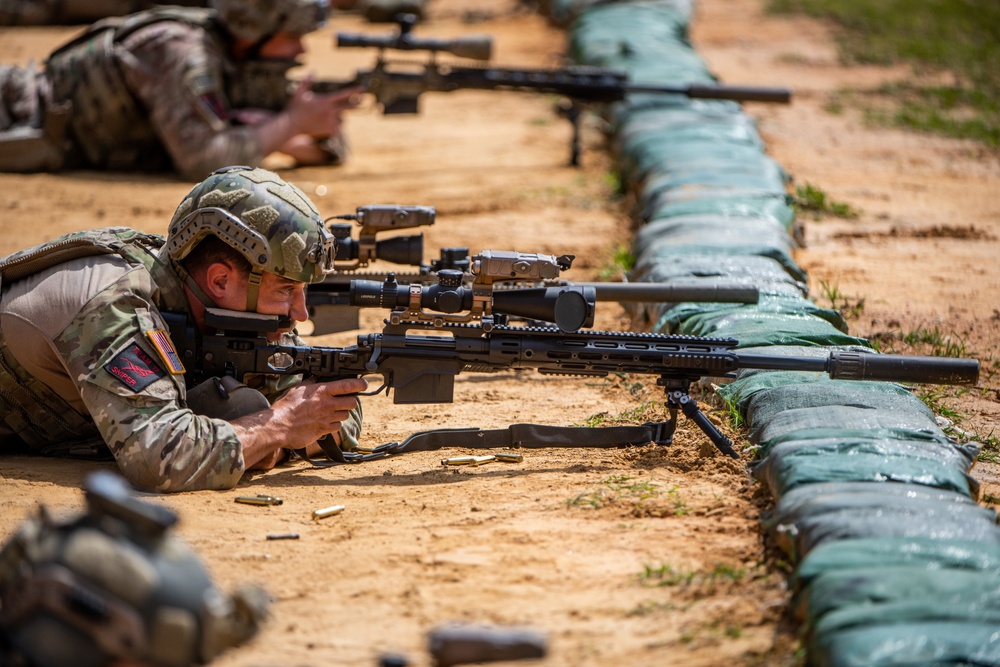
column 660, row 293
column 719, row 92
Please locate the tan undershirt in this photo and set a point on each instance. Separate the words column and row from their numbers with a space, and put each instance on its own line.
column 36, row 309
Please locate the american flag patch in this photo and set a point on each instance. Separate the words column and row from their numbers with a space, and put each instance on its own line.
column 165, row 347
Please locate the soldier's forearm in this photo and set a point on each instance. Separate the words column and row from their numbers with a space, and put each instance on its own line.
column 275, row 132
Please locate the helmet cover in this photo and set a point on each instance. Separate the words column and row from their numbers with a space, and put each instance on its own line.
column 255, row 20
column 272, row 223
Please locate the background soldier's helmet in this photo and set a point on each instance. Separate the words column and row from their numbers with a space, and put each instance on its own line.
column 255, row 20
column 114, row 584
column 269, row 221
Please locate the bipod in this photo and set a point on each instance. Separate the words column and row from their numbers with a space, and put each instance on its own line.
column 571, row 111
column 679, row 399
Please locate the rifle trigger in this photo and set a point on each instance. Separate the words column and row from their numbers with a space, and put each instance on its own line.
column 372, row 364
column 376, row 392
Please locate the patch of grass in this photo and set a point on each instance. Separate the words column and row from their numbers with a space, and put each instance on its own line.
column 733, row 415
column 941, row 344
column 990, row 499
column 615, row 489
column 812, row 199
column 647, row 608
column 645, row 411
column 951, row 45
column 613, row 182
column 934, row 398
column 990, row 447
column 620, row 263
column 850, row 309
column 666, row 575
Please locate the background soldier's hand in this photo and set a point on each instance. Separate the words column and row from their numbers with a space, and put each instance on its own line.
column 305, row 150
column 319, row 115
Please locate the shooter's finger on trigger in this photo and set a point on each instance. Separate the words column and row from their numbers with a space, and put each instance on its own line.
column 348, row 97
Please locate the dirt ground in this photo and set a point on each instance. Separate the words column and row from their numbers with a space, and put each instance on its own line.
column 652, row 556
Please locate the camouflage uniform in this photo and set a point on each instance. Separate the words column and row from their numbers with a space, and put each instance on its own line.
column 78, row 366
column 74, row 12
column 148, row 92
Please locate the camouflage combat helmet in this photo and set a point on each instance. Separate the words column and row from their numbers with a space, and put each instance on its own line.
column 256, row 20
column 269, row 221
column 114, row 584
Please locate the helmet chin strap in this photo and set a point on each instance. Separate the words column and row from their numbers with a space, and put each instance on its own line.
column 253, row 289
column 192, row 285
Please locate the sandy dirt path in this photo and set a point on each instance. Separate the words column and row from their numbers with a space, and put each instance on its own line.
column 642, row 557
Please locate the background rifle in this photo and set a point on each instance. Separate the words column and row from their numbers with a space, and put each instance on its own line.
column 397, row 85
column 422, row 368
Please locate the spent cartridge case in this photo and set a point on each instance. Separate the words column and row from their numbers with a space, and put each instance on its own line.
column 259, row 499
column 510, row 457
column 468, row 460
column 328, row 511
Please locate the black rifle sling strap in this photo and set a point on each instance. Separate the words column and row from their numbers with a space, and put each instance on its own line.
column 536, row 436
column 527, row 436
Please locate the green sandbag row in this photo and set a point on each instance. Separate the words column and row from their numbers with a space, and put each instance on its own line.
column 809, row 462
column 764, row 273
column 862, row 475
column 770, row 206
column 953, row 643
column 564, row 12
column 761, row 176
column 715, row 234
column 803, row 520
column 926, row 553
column 624, row 34
column 908, row 584
column 880, row 585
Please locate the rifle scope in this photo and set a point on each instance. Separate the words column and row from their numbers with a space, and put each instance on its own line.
column 474, row 47
column 569, row 307
column 407, row 250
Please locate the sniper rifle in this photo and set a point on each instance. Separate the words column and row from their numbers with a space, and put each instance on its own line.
column 421, row 368
column 397, row 85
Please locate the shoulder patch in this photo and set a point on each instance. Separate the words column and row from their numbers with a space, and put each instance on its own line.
column 204, row 89
column 134, row 368
column 168, row 353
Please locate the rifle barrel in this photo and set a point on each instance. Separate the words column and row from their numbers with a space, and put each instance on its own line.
column 719, row 92
column 661, row 293
column 845, row 365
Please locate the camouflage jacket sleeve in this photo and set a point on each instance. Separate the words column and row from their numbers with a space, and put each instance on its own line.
column 176, row 71
column 138, row 405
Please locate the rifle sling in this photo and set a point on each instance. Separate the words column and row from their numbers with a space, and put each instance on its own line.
column 527, row 436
